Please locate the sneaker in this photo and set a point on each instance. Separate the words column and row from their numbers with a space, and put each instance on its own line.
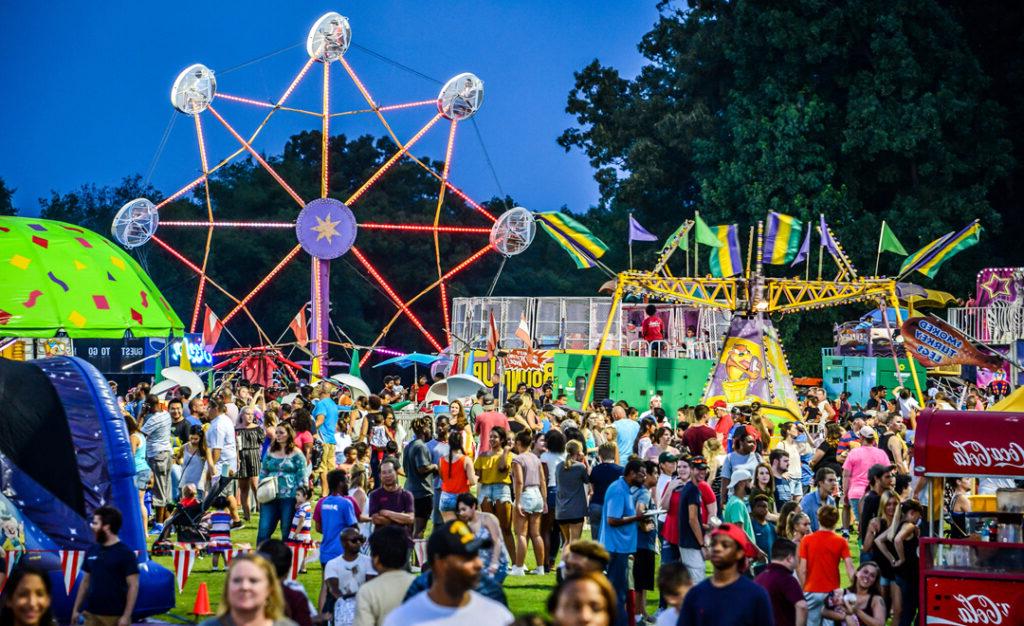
column 237, row 524
column 516, row 571
column 538, row 571
column 846, row 533
column 157, row 529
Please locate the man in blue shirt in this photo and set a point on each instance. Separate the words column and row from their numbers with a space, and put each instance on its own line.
column 825, row 482
column 606, row 472
column 626, row 431
column 619, row 531
column 333, row 515
column 728, row 597
column 325, row 412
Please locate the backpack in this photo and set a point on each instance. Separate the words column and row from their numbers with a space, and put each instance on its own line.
column 316, row 455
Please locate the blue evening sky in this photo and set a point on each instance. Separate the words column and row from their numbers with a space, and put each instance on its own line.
column 87, row 84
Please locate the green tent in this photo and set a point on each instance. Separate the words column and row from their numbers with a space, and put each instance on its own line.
column 57, row 276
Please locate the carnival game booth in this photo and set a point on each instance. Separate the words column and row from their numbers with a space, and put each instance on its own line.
column 976, row 580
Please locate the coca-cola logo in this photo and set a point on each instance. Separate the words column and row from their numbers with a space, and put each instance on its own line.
column 979, row 609
column 974, row 454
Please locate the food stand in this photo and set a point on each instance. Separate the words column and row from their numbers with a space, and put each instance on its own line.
column 976, row 580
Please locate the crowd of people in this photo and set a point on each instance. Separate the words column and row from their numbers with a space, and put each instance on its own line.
column 732, row 516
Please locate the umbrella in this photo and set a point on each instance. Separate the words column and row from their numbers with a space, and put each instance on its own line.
column 918, row 297
column 184, row 378
column 415, row 359
column 356, row 384
column 163, row 387
column 457, row 386
column 57, row 276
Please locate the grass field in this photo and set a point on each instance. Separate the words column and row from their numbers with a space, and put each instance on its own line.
column 526, row 594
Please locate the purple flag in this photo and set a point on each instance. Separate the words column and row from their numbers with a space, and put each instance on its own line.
column 638, row 232
column 826, row 239
column 805, row 249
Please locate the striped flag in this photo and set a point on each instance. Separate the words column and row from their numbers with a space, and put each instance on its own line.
column 492, row 336
column 523, row 331
column 726, row 261
column 184, row 561
column 575, row 238
column 299, row 327
column 299, row 552
column 233, row 552
column 782, row 237
column 930, row 258
column 12, row 559
column 70, row 564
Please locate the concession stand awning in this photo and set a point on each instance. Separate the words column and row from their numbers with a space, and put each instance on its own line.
column 976, row 580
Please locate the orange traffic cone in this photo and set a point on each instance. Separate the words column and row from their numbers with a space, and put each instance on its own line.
column 202, row 605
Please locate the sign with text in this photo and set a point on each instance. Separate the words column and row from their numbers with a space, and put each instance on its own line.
column 969, row 443
column 967, row 601
column 934, row 343
column 110, row 355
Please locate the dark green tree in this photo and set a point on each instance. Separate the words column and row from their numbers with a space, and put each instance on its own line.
column 859, row 110
column 6, row 199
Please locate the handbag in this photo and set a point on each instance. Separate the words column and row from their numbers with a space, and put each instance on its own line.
column 266, row 489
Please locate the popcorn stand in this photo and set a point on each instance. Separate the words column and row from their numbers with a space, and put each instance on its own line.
column 979, row 579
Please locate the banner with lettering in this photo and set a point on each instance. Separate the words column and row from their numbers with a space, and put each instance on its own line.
column 934, row 343
column 969, row 443
column 529, row 366
column 967, row 601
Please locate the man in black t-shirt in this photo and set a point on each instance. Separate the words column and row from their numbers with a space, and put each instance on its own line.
column 110, row 584
column 880, row 480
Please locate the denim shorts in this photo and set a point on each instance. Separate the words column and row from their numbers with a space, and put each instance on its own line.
column 448, row 502
column 142, row 479
column 495, row 492
column 532, row 501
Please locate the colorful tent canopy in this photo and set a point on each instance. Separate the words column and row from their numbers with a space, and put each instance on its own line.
column 57, row 276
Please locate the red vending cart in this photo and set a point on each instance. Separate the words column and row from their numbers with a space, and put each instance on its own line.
column 980, row 579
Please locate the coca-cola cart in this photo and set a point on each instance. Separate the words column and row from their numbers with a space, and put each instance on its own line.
column 975, row 580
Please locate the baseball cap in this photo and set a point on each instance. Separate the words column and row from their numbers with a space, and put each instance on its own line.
column 719, row 404
column 455, row 537
column 607, row 403
column 698, row 462
column 737, row 534
column 739, row 476
column 868, row 433
column 667, row 457
column 487, row 400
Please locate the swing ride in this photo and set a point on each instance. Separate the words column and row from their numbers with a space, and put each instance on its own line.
column 327, row 228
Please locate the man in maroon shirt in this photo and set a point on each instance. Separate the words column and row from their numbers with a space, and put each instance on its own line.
column 488, row 420
column 696, row 435
column 788, row 604
column 390, row 504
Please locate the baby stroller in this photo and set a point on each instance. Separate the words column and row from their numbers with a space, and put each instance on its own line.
column 186, row 522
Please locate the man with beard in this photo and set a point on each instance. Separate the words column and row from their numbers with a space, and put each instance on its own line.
column 728, row 597
column 619, row 519
column 453, row 552
column 110, row 580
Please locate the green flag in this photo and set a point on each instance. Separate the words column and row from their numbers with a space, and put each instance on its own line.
column 704, row 235
column 353, row 367
column 889, row 243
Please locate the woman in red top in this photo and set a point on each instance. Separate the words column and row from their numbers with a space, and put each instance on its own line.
column 457, row 476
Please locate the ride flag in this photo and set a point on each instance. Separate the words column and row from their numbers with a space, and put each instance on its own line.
column 704, row 234
column 575, row 238
column 298, row 326
column 805, row 249
column 827, row 241
column 781, row 239
column 725, row 260
column 638, row 232
column 523, row 331
column 934, row 343
column 930, row 258
column 492, row 336
column 212, row 327
column 887, row 241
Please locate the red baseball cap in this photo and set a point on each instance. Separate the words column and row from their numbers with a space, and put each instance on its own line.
column 719, row 404
column 737, row 534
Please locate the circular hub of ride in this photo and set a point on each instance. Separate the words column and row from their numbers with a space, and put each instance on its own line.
column 326, row 228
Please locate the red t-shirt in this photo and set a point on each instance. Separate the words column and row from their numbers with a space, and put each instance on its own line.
column 651, row 329
column 707, row 497
column 484, row 423
column 695, row 436
column 670, row 529
column 823, row 550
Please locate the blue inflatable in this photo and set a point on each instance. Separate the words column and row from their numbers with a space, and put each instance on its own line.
column 64, row 452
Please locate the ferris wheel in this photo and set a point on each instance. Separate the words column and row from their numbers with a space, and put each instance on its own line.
column 327, row 228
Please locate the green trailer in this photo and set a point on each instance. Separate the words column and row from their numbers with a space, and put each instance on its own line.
column 634, row 379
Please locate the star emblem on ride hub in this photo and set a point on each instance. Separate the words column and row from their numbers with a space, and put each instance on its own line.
column 326, row 228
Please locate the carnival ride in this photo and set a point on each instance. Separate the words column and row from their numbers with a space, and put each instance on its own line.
column 326, row 227
column 752, row 365
column 63, row 407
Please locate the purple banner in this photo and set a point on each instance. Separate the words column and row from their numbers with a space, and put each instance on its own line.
column 739, row 376
column 999, row 284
